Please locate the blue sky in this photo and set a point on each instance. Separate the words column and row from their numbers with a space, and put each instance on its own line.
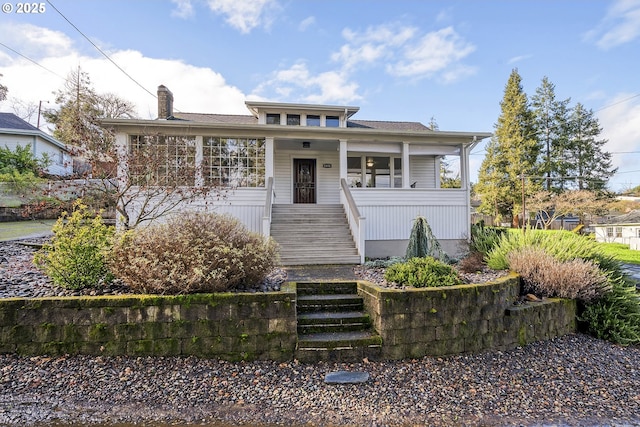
column 397, row 60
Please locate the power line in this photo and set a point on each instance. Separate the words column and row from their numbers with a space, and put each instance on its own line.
column 618, row 102
column 31, row 60
column 100, row 50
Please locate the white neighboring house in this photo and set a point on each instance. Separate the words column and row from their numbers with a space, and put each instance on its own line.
column 16, row 132
column 314, row 179
column 620, row 229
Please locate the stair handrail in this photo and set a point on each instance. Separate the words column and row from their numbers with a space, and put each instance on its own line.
column 268, row 207
column 356, row 221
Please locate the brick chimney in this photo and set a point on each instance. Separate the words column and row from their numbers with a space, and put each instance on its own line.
column 165, row 103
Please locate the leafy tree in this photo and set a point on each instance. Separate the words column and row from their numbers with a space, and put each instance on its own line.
column 3, row 91
column 511, row 154
column 552, row 205
column 447, row 178
column 585, row 154
column 551, row 119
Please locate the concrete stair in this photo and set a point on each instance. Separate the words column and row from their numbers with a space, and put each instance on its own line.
column 313, row 234
column 332, row 324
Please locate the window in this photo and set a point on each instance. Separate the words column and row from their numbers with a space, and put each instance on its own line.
column 273, row 119
column 618, row 231
column 162, row 160
column 333, row 122
column 609, row 231
column 313, row 120
column 293, row 119
column 233, row 162
column 380, row 172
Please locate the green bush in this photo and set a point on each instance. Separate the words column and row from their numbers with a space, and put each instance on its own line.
column 422, row 272
column 562, row 245
column 484, row 239
column 76, row 256
column 616, row 316
column 193, row 252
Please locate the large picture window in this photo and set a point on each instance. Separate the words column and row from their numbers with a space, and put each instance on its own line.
column 162, row 160
column 233, row 162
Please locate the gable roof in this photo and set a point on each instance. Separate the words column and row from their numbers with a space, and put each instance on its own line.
column 14, row 125
column 11, row 121
column 632, row 217
column 239, row 119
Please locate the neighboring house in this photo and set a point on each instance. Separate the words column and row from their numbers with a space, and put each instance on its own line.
column 16, row 132
column 620, row 229
column 311, row 176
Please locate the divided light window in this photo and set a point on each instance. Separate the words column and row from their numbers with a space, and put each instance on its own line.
column 273, row 119
column 233, row 162
column 313, row 120
column 333, row 121
column 293, row 119
column 162, row 160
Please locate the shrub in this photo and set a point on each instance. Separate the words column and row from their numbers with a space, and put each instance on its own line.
column 194, row 252
column 562, row 245
column 422, row 241
column 472, row 263
column 616, row 316
column 484, row 239
column 542, row 274
column 76, row 256
column 422, row 272
column 383, row 263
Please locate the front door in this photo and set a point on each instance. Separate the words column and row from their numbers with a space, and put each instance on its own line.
column 304, row 180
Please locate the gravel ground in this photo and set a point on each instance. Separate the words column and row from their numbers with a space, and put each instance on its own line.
column 575, row 380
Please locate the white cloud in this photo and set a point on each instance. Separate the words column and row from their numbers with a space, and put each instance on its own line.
column 438, row 51
column 204, row 91
column 519, row 58
column 34, row 42
column 297, row 83
column 620, row 25
column 184, row 9
column 621, row 127
column 245, row 15
column 306, row 23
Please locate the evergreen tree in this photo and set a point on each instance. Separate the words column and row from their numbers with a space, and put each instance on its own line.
column 589, row 163
column 551, row 126
column 511, row 154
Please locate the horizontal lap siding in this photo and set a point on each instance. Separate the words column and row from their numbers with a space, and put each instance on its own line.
column 327, row 179
column 245, row 204
column 390, row 213
column 422, row 171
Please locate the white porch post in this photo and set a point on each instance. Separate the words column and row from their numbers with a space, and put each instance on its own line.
column 436, row 172
column 199, row 159
column 268, row 158
column 464, row 166
column 406, row 173
column 343, row 159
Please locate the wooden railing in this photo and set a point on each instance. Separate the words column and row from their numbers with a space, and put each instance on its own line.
column 268, row 204
column 356, row 221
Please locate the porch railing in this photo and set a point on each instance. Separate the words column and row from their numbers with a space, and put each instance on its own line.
column 357, row 223
column 268, row 204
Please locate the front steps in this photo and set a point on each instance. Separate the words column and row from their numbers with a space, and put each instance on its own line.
column 332, row 324
column 311, row 234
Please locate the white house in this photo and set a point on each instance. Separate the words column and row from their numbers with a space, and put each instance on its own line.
column 620, row 229
column 16, row 132
column 330, row 189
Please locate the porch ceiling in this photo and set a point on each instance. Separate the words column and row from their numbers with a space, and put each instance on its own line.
column 314, row 144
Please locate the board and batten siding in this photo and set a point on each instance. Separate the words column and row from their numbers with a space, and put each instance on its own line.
column 423, row 171
column 390, row 213
column 327, row 179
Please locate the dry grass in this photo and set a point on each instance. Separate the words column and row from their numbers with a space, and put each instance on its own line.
column 544, row 275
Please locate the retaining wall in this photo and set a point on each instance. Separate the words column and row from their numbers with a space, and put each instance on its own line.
column 232, row 326
column 248, row 326
column 467, row 318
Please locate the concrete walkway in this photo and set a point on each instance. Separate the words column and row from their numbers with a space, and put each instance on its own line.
column 311, row 273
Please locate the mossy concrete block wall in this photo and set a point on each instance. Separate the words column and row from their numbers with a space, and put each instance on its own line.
column 232, row 326
column 466, row 318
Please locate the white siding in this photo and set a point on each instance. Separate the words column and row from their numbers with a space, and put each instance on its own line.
column 60, row 164
column 327, row 179
column 390, row 213
column 422, row 171
column 247, row 205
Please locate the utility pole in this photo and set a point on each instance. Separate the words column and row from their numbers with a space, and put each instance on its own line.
column 40, row 111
